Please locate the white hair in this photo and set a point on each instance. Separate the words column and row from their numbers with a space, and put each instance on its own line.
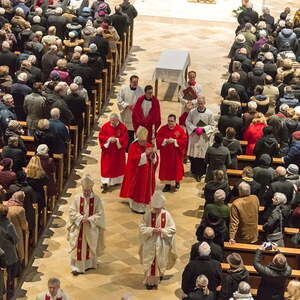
column 244, row 287
column 252, row 105
column 204, row 249
column 32, row 59
column 279, row 198
column 244, row 189
column 22, row 76
column 55, row 113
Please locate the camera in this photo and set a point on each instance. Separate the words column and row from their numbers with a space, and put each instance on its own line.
column 267, row 245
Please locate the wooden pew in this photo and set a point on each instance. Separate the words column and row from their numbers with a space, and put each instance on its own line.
column 26, row 247
column 248, row 160
column 36, row 224
column 254, row 277
column 247, row 251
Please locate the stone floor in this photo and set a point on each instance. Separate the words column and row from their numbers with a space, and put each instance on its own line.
column 119, row 269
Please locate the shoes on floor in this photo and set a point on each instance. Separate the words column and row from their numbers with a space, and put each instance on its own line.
column 75, row 273
column 167, row 188
column 104, row 188
column 177, row 185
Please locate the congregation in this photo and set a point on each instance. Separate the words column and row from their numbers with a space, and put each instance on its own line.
column 54, row 60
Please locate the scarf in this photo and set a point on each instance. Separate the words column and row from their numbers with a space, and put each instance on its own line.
column 17, row 199
column 192, row 83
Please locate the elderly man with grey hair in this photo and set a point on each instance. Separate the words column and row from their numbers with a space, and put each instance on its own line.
column 277, row 219
column 8, row 58
column 244, row 216
column 59, row 21
column 19, row 91
column 54, row 291
column 113, row 139
column 59, row 130
column 243, row 292
column 205, row 265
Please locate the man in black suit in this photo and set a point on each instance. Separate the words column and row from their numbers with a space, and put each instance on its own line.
column 120, row 21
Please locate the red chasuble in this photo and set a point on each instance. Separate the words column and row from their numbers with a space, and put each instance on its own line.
column 139, row 181
column 171, row 157
column 112, row 158
column 153, row 118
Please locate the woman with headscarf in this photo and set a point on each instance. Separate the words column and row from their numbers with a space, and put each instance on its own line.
column 16, row 214
column 49, row 167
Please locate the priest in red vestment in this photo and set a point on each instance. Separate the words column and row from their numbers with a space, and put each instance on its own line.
column 113, row 139
column 171, row 141
column 139, row 180
column 146, row 113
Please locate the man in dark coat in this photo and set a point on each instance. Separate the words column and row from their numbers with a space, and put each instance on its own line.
column 49, row 61
column 8, row 58
column 248, row 15
column 202, row 265
column 129, row 10
column 231, row 120
column 233, row 82
column 101, row 43
column 293, row 155
column 59, row 130
column 57, row 100
column 208, row 237
column 273, row 276
column 59, row 21
column 120, row 21
column 266, row 144
column 279, row 185
column 7, row 112
column 19, row 91
column 76, row 104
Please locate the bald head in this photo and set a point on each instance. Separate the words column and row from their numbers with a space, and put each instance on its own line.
column 84, row 59
column 5, row 45
column 73, row 88
column 280, row 171
column 244, row 189
column 55, row 113
column 118, row 8
column 209, row 233
column 235, row 77
column 100, row 31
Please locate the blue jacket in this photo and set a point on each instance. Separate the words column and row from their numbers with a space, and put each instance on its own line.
column 60, row 131
column 293, row 156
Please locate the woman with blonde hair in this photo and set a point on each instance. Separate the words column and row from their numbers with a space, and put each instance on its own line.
column 254, row 132
column 293, row 290
column 61, row 70
column 201, row 291
column 16, row 214
column 37, row 179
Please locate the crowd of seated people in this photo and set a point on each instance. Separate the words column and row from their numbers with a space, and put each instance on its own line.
column 260, row 209
column 50, row 57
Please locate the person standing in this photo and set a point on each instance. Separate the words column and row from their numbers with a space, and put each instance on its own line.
column 113, row 139
column 146, row 113
column 139, row 180
column 157, row 250
column 126, row 100
column 86, row 229
column 244, row 217
column 192, row 90
column 200, row 126
column 171, row 141
column 54, row 291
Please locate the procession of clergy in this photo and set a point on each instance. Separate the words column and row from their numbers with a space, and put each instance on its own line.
column 138, row 131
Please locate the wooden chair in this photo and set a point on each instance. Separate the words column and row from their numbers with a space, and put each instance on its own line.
column 45, row 209
column 36, row 223
column 26, row 247
column 74, row 142
column 247, row 251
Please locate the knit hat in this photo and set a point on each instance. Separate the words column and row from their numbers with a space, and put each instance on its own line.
column 219, row 195
column 77, row 80
column 235, row 260
column 158, row 200
column 293, row 169
column 6, row 162
column 13, row 124
column 42, row 150
column 296, row 135
column 240, row 39
column 54, row 76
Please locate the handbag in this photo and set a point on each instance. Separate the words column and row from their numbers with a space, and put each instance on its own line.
column 273, row 237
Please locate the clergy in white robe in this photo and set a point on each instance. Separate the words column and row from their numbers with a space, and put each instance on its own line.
column 54, row 291
column 157, row 250
column 85, row 232
column 127, row 98
column 200, row 127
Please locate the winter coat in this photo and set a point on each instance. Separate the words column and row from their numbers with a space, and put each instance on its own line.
column 6, row 115
column 17, row 155
column 273, row 279
column 238, row 296
column 2, row 265
column 287, row 35
column 212, row 186
column 289, row 99
column 262, row 102
column 7, row 178
column 60, row 22
column 238, row 87
column 270, row 68
column 49, row 61
column 235, row 149
column 86, row 73
column 254, row 187
column 61, row 133
column 198, row 294
column 266, row 145
column 293, row 155
column 203, row 265
column 252, row 135
column 49, row 167
column 9, row 133
column 234, row 121
column 216, row 250
column 120, row 21
column 231, row 281
column 35, row 109
column 256, row 77
column 102, row 45
column 46, row 137
column 130, row 11
column 217, row 158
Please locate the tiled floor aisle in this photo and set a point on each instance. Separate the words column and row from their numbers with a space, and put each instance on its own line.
column 119, row 270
